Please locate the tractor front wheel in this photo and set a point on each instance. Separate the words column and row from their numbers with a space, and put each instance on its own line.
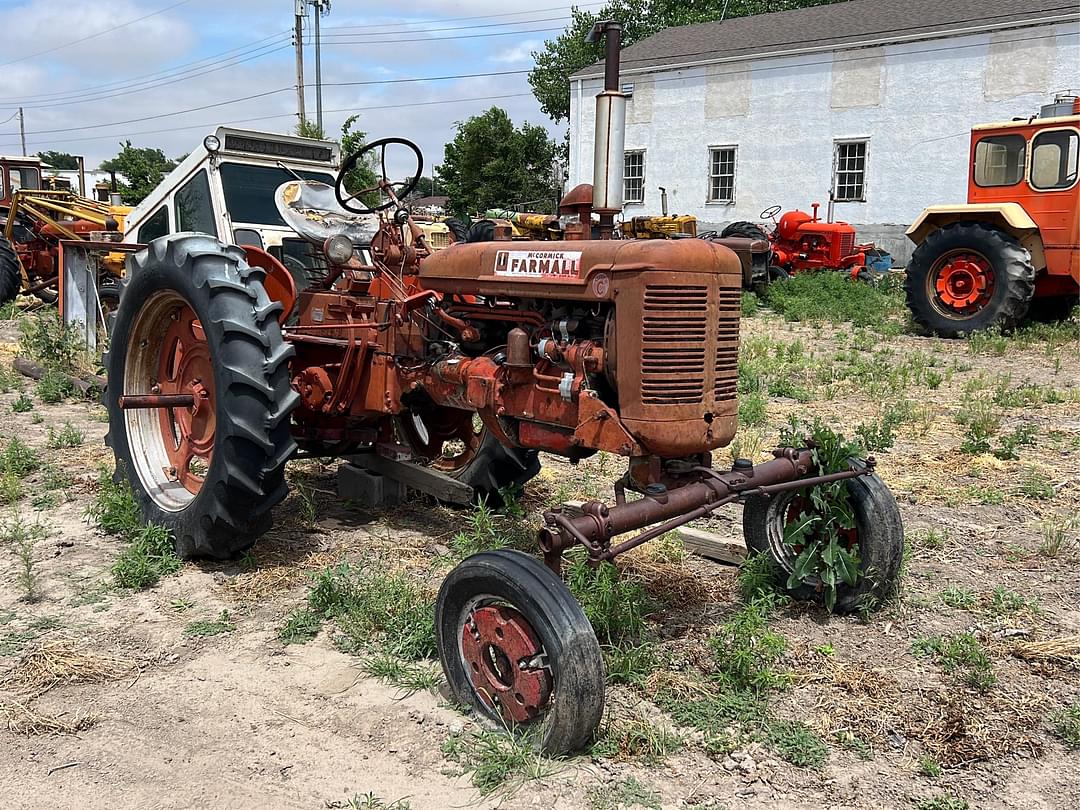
column 877, row 539
column 516, row 646
column 10, row 273
column 746, row 230
column 195, row 321
column 969, row 276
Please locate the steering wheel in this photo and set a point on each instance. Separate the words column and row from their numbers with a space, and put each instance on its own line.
column 771, row 211
column 350, row 198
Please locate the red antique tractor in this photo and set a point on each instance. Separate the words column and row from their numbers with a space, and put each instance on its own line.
column 475, row 358
column 802, row 242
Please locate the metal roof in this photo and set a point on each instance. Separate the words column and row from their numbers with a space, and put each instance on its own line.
column 855, row 23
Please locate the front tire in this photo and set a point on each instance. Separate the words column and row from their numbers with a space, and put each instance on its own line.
column 878, row 535
column 969, row 276
column 10, row 272
column 516, row 646
column 194, row 317
column 746, row 230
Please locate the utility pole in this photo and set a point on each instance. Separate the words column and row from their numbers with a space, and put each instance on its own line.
column 321, row 7
column 298, row 37
column 22, row 130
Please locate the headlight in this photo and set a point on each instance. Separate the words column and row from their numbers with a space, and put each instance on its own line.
column 211, row 143
column 338, row 249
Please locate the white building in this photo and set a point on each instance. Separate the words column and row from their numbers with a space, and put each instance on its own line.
column 873, row 99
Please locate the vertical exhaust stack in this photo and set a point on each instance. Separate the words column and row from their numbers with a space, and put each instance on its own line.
column 610, row 131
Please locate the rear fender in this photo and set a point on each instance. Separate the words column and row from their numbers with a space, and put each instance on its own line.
column 278, row 283
column 1008, row 217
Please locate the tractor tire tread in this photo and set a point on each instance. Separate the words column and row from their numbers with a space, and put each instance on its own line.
column 10, row 272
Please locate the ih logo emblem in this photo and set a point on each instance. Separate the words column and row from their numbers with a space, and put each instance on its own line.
column 538, row 263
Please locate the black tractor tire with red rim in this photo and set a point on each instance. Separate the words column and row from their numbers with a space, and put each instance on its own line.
column 878, row 534
column 10, row 272
column 194, row 316
column 969, row 276
column 516, row 646
column 483, row 463
column 746, row 230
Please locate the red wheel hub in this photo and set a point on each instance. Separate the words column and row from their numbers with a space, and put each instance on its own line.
column 185, row 367
column 506, row 662
column 964, row 281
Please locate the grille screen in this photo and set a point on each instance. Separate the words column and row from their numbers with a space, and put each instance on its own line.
column 726, row 368
column 675, row 323
column 847, row 243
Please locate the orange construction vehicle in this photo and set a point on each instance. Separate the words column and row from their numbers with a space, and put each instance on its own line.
column 1015, row 246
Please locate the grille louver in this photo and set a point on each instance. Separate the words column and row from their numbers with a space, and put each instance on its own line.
column 674, row 328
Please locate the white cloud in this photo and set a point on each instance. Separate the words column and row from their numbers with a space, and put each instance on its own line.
column 518, row 54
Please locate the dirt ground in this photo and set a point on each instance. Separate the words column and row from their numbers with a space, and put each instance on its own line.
column 167, row 719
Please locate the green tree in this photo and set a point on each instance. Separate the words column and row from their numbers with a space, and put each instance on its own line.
column 142, row 167
column 569, row 53
column 309, row 129
column 59, row 160
column 362, row 175
column 492, row 163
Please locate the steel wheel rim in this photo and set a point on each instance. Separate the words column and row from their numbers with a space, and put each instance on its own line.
column 960, row 284
column 509, row 673
column 782, row 510
column 171, row 448
column 449, row 439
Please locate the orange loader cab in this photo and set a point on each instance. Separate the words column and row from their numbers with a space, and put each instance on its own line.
column 1014, row 247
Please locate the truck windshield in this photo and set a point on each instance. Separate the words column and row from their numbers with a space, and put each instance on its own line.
column 249, row 191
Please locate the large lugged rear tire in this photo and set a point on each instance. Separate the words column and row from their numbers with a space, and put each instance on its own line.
column 747, row 230
column 194, row 317
column 516, row 646
column 10, row 274
column 969, row 276
column 878, row 535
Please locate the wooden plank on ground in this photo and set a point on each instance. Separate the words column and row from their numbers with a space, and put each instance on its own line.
column 422, row 479
column 697, row 541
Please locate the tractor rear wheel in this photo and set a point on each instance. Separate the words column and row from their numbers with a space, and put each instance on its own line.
column 969, row 276
column 747, row 230
column 194, row 319
column 10, row 272
column 516, row 646
column 458, row 444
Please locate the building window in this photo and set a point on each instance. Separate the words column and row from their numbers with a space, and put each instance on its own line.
column 634, row 177
column 849, row 176
column 722, row 174
column 999, row 160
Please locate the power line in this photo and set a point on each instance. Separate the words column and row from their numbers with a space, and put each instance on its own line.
column 270, row 117
column 94, row 36
column 367, row 28
column 422, row 40
column 128, row 81
column 449, row 28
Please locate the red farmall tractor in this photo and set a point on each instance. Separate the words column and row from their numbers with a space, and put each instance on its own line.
column 802, row 242
column 1015, row 246
column 475, row 358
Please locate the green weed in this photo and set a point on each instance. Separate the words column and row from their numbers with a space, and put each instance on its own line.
column 301, row 626
column 637, row 736
column 1066, row 725
column 22, row 537
column 928, row 766
column 17, row 459
column 67, row 436
column 369, row 801
column 1034, row 484
column 615, row 606
column 745, row 651
column 1004, row 602
column 22, row 403
column 496, row 761
column 412, row 677
column 833, row 298
column 44, row 338
column 797, row 743
column 114, row 508
column 943, row 803
column 961, row 655
column 989, row 342
column 211, row 627
column 54, row 387
column 956, row 597
column 147, row 558
column 1059, row 535
column 11, row 488
column 632, row 664
column 626, row 793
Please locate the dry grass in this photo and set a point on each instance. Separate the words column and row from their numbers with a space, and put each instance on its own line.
column 63, row 660
column 20, row 718
column 1062, row 650
column 954, row 727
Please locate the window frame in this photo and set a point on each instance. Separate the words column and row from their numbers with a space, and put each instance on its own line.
column 163, row 208
column 734, row 148
column 626, row 176
column 974, row 160
column 838, row 143
column 1030, row 161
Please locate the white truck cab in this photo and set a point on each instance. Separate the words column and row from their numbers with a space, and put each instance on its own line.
column 225, row 188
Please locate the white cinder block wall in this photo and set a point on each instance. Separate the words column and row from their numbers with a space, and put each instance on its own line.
column 915, row 103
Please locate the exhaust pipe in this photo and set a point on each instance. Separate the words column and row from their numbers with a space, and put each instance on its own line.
column 610, row 131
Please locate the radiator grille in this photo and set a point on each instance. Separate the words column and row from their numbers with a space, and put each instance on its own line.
column 726, row 365
column 674, row 328
column 847, row 244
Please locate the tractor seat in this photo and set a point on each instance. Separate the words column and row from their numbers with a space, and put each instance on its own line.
column 311, row 209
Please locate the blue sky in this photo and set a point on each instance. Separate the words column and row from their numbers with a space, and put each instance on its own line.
column 129, row 81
